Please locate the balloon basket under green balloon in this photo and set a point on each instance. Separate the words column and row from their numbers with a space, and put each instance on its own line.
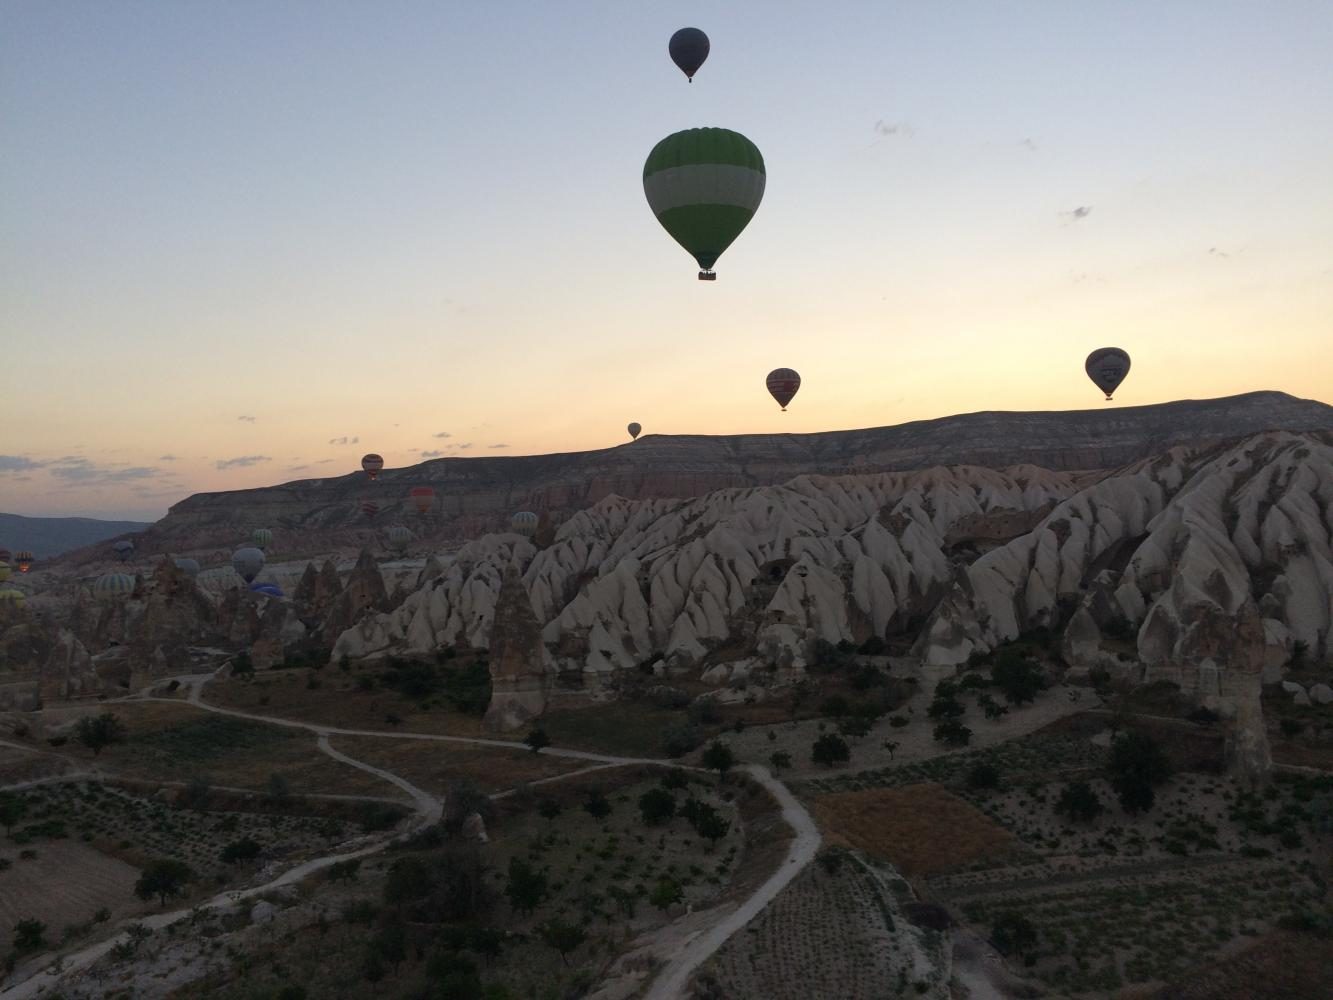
column 707, row 275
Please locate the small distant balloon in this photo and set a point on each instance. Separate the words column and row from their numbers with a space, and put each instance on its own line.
column 634, row 431
column 370, row 508
column 783, row 384
column 247, row 563
column 113, row 586
column 399, row 538
column 423, row 498
column 23, row 560
column 525, row 523
column 689, row 49
column 372, row 464
column 190, row 567
column 1107, row 367
column 262, row 538
column 267, row 589
column 123, row 549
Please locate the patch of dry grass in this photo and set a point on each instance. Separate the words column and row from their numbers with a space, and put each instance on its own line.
column 921, row 829
column 435, row 766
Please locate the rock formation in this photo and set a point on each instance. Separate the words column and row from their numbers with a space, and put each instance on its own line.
column 518, row 673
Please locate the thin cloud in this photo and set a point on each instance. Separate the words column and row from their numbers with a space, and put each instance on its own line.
column 17, row 463
column 168, row 458
column 1029, row 145
column 442, row 434
column 345, row 440
column 1081, row 212
column 244, row 461
column 76, row 469
column 894, row 128
column 1213, row 251
column 296, row 468
column 461, row 447
column 248, row 420
column 431, row 454
column 324, row 461
column 493, row 446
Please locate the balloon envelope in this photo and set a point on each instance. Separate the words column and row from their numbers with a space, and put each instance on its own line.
column 783, row 384
column 525, row 522
column 4, row 571
column 247, row 563
column 1107, row 367
column 268, row 589
column 123, row 548
column 370, row 508
column 634, row 431
column 689, row 49
column 422, row 498
column 399, row 537
column 190, row 567
column 23, row 560
column 6, row 555
column 372, row 464
column 9, row 595
column 262, row 537
column 704, row 185
column 113, row 586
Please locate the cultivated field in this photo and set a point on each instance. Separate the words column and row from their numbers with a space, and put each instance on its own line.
column 439, row 767
column 63, row 884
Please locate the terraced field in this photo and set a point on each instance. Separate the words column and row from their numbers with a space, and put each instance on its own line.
column 63, row 885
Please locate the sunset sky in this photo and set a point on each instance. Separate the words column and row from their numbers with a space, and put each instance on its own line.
column 245, row 242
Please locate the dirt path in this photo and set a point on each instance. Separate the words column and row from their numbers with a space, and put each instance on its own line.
column 675, row 975
column 669, row 984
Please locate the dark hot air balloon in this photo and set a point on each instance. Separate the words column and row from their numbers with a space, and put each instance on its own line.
column 399, row 537
column 247, row 562
column 190, row 567
column 689, row 49
column 370, row 508
column 525, row 523
column 1107, row 367
column 23, row 560
column 634, row 431
column 372, row 464
column 783, row 384
column 123, row 549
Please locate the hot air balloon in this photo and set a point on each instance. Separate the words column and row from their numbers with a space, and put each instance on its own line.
column 372, row 464
column 422, row 498
column 370, row 508
column 6, row 555
column 123, row 549
column 113, row 586
column 1107, row 367
column 8, row 595
column 783, row 384
column 399, row 537
column 23, row 560
column 4, row 571
column 525, row 523
column 634, row 431
column 190, row 567
column 247, row 563
column 689, row 49
column 262, row 537
column 267, row 589
column 704, row 185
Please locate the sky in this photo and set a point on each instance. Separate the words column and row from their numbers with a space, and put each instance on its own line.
column 245, row 242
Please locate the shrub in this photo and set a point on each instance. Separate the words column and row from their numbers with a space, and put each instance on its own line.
column 666, row 892
column 1079, row 803
column 100, row 732
column 1013, row 934
column 245, row 849
column 537, row 739
column 598, row 806
column 679, row 740
column 720, row 758
column 1017, row 677
column 657, row 806
column 983, row 775
column 780, row 759
column 1137, row 766
column 526, row 886
column 830, row 749
column 162, row 878
column 953, row 733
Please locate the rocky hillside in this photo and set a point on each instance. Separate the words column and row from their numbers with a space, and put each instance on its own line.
column 45, row 537
column 478, row 494
column 1205, row 564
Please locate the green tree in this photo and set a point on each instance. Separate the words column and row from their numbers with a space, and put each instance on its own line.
column 243, row 667
column 563, row 937
column 983, row 775
column 1013, row 934
column 549, row 809
column 855, row 726
column 665, row 893
column 410, row 879
column 711, row 826
column 719, row 757
column 163, row 878
column 1079, row 803
column 1137, row 767
column 597, row 805
column 953, row 733
column 29, row 935
column 100, row 732
column 526, row 886
column 455, row 976
column 537, row 739
column 657, row 805
column 780, row 759
column 12, row 809
column 830, row 749
column 245, row 849
column 1018, row 678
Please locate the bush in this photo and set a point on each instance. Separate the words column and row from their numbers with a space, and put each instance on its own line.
column 468, row 688
column 657, row 806
column 830, row 749
column 1137, row 766
column 598, row 806
column 679, row 740
column 983, row 775
column 537, row 739
column 245, row 849
column 1017, row 677
column 953, row 733
column 526, row 886
column 720, row 758
column 100, row 732
column 1079, row 803
column 780, row 759
column 1013, row 934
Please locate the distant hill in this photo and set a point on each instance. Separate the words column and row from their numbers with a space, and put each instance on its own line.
column 46, row 537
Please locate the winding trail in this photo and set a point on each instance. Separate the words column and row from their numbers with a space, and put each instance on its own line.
column 671, row 980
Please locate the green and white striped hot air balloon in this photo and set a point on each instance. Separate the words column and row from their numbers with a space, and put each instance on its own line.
column 113, row 586
column 262, row 538
column 704, row 185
